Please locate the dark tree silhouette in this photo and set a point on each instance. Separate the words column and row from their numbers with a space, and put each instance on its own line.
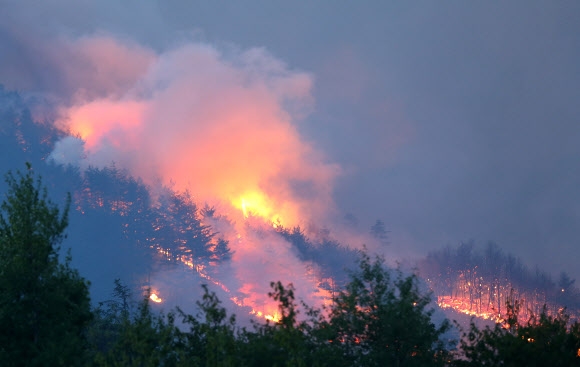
column 44, row 304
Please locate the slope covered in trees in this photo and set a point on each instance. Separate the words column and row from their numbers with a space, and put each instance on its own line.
column 116, row 223
column 481, row 282
column 375, row 317
column 45, row 311
column 379, row 318
column 114, row 214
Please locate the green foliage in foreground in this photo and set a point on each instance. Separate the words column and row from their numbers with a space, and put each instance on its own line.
column 380, row 318
column 44, row 304
column 544, row 340
column 375, row 320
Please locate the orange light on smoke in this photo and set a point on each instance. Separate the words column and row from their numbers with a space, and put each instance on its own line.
column 83, row 129
column 191, row 120
column 112, row 121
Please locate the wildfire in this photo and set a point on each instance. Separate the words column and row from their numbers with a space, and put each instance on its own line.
column 268, row 315
column 200, row 269
column 463, row 306
column 489, row 312
column 273, row 318
column 155, row 298
column 256, row 203
column 186, row 139
column 196, row 116
column 125, row 115
column 83, row 129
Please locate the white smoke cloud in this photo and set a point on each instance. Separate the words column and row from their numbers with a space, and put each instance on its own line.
column 68, row 151
column 219, row 123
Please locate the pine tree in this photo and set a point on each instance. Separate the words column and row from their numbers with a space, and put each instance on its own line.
column 44, row 304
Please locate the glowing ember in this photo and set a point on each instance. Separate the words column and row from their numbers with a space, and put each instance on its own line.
column 155, row 298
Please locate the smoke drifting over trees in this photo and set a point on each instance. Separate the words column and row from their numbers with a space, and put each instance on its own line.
column 374, row 314
column 135, row 230
column 192, row 160
column 126, row 229
column 481, row 282
column 378, row 317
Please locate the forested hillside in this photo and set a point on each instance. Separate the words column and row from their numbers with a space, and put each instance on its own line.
column 120, row 233
column 380, row 316
column 480, row 282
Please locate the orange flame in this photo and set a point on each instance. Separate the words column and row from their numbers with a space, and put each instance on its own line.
column 155, row 298
column 194, row 120
column 232, row 142
column 258, row 204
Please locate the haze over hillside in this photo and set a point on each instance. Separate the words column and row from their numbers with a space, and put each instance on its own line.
column 445, row 122
column 165, row 239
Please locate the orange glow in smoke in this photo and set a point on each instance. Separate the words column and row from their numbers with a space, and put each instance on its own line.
column 268, row 311
column 94, row 122
column 210, row 170
column 191, row 119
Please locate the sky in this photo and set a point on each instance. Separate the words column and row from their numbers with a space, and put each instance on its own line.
column 449, row 121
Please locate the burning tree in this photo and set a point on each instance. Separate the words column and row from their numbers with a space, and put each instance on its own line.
column 543, row 340
column 480, row 283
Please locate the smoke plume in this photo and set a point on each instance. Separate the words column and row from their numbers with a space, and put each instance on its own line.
column 219, row 123
column 220, row 126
